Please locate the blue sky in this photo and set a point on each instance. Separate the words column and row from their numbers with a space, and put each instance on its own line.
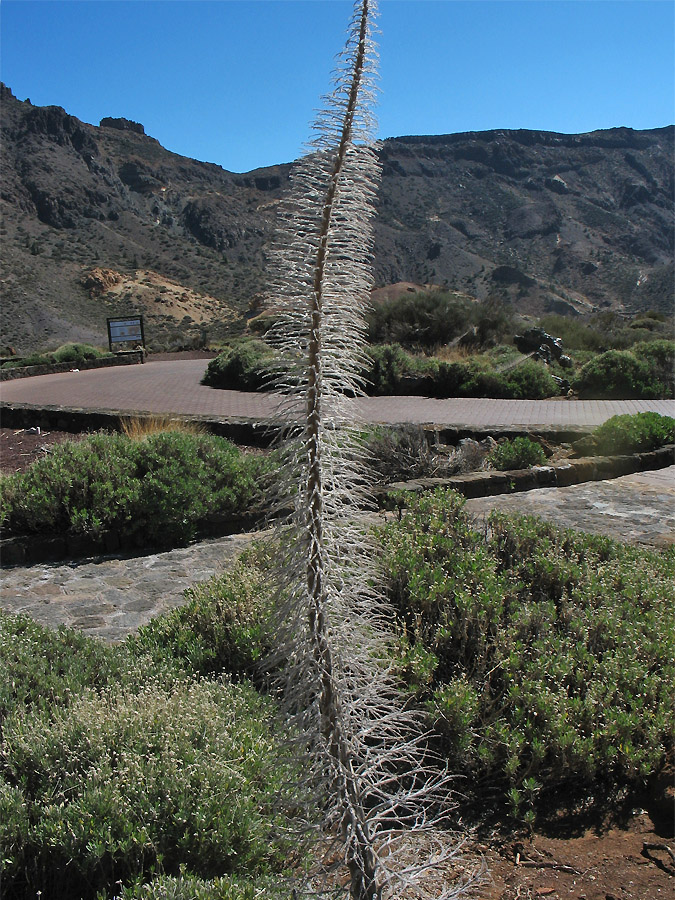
column 236, row 82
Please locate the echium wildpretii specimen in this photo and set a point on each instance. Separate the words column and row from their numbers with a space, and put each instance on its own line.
column 365, row 754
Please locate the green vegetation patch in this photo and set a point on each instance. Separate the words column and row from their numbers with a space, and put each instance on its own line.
column 430, row 319
column 156, row 490
column 245, row 365
column 222, row 627
column 637, row 433
column 75, row 354
column 545, row 657
column 118, row 766
column 517, row 453
column 645, row 371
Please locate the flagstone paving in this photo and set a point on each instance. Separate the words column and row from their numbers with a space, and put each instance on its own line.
column 110, row 598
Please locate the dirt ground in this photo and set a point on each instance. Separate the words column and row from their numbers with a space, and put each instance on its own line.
column 630, row 861
column 20, row 447
column 629, row 857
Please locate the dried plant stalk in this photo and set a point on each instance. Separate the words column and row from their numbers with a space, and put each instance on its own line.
column 366, row 753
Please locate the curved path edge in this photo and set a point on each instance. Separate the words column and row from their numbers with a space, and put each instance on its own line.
column 173, row 388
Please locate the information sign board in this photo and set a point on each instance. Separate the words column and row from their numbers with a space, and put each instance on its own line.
column 126, row 330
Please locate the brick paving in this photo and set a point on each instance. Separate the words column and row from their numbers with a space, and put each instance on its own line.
column 172, row 387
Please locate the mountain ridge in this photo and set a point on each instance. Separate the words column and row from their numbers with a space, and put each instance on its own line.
column 549, row 222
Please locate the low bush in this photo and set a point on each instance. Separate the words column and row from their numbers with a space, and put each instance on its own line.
column 641, row 373
column 660, row 357
column 546, row 657
column 118, row 764
column 422, row 320
column 637, row 433
column 222, row 627
column 477, row 378
column 517, row 453
column 394, row 371
column 156, row 491
column 124, row 784
column 45, row 669
column 75, row 354
column 530, row 381
column 575, row 333
column 244, row 366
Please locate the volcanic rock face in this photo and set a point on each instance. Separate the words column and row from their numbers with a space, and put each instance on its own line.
column 548, row 221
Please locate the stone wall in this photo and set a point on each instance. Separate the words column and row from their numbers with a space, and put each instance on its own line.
column 124, row 358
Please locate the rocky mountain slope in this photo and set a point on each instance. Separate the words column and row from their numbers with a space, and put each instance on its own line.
column 101, row 220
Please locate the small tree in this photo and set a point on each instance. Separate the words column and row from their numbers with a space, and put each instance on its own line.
column 366, row 754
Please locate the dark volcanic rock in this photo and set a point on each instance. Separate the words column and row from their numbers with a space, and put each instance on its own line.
column 122, row 124
column 546, row 221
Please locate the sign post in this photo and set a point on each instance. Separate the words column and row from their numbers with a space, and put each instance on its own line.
column 126, row 329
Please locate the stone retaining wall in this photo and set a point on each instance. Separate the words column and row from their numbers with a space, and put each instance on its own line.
column 124, row 358
column 253, row 432
column 27, row 550
column 572, row 471
column 248, row 432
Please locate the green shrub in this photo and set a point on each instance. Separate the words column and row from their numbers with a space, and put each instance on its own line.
column 424, row 319
column 637, row 433
column 244, row 366
column 191, row 888
column 477, row 378
column 393, row 371
column 33, row 359
column 531, row 381
column 575, row 333
column 621, row 375
column 519, row 453
column 222, row 628
column 660, row 357
column 156, row 490
column 46, row 669
column 554, row 651
column 128, row 783
column 75, row 354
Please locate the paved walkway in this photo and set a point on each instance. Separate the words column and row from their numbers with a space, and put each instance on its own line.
column 173, row 387
column 638, row 508
column 110, row 598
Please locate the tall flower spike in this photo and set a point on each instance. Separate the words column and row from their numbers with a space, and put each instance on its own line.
column 366, row 754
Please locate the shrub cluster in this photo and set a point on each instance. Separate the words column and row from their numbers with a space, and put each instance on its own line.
column 137, row 779
column 243, row 366
column 139, row 770
column 518, row 453
column 637, row 433
column 545, row 657
column 157, row 490
column 394, row 371
column 75, row 354
column 221, row 628
column 645, row 371
column 427, row 320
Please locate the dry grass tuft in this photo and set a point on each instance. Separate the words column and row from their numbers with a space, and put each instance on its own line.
column 137, row 428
